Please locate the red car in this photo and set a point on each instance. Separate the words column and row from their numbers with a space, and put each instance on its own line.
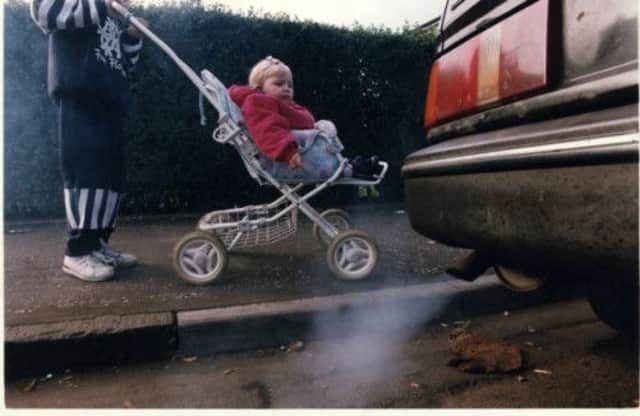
column 532, row 156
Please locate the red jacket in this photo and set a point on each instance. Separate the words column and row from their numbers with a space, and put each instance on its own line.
column 270, row 121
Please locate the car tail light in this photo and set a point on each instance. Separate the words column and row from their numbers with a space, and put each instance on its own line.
column 506, row 60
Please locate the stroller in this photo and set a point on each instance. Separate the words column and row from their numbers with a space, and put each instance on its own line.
column 200, row 257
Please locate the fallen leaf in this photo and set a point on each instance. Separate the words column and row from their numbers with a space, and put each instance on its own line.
column 297, row 346
column 31, row 386
column 229, row 371
column 541, row 371
column 189, row 359
column 476, row 354
column 46, row 377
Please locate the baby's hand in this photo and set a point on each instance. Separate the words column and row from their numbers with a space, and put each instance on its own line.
column 296, row 161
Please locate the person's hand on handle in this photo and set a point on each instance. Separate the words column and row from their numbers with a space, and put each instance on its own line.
column 134, row 32
column 131, row 30
column 111, row 11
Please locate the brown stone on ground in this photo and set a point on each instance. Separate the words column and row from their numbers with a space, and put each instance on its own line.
column 475, row 354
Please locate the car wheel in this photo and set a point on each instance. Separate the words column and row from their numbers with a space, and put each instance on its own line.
column 615, row 302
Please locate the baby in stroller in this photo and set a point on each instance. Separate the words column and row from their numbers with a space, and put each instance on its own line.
column 279, row 143
column 293, row 146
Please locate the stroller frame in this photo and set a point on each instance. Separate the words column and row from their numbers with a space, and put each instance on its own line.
column 200, row 257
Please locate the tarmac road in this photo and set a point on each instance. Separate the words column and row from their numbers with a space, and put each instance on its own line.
column 571, row 361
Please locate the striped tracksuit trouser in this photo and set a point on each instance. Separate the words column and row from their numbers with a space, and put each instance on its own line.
column 92, row 163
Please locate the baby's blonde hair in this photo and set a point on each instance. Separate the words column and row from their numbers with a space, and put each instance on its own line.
column 266, row 68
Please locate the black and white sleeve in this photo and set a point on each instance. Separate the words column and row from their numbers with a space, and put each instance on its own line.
column 51, row 15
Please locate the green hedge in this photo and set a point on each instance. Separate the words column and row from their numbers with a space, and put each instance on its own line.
column 369, row 81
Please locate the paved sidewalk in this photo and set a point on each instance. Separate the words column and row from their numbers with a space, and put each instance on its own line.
column 37, row 291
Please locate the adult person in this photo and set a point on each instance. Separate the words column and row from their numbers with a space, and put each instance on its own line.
column 91, row 54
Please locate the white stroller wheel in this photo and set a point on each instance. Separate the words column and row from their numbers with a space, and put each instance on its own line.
column 352, row 255
column 339, row 218
column 199, row 258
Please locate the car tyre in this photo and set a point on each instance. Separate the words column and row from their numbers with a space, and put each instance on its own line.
column 615, row 302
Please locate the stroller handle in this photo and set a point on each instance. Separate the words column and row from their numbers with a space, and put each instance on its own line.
column 188, row 71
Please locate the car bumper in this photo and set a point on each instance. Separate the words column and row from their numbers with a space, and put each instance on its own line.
column 560, row 194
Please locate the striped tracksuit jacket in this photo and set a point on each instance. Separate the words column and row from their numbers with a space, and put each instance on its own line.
column 90, row 58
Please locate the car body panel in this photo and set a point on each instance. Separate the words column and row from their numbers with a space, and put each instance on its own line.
column 599, row 37
column 465, row 18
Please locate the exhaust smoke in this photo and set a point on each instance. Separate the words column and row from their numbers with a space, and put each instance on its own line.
column 359, row 346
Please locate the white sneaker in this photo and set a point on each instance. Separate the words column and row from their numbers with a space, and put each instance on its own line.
column 115, row 258
column 87, row 268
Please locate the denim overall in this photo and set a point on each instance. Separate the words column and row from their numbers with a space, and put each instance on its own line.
column 319, row 149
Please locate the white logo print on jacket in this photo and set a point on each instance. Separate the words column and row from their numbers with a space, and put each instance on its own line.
column 109, row 50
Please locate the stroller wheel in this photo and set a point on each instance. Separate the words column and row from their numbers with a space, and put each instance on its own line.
column 352, row 255
column 199, row 258
column 336, row 217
